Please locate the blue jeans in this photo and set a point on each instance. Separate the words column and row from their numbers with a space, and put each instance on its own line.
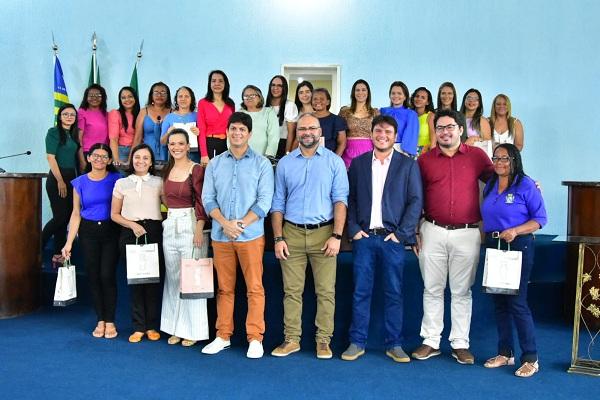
column 514, row 309
column 370, row 253
column 124, row 153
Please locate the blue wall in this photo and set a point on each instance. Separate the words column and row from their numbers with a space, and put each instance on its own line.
column 542, row 54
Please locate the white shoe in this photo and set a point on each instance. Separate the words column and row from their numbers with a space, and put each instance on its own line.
column 216, row 346
column 255, row 349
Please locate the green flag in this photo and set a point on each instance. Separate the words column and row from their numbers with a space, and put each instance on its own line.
column 134, row 79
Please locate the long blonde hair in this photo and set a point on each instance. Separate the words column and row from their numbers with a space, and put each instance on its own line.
column 509, row 118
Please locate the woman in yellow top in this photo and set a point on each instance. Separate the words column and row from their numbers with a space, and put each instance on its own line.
column 421, row 101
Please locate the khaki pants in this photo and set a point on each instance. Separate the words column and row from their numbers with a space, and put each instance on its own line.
column 305, row 245
column 250, row 257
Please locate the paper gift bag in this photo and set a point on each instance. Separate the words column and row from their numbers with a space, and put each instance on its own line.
column 197, row 278
column 142, row 263
column 502, row 271
column 485, row 145
column 65, row 292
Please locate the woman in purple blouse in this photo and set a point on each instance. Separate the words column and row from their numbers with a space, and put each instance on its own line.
column 98, row 235
column 407, row 119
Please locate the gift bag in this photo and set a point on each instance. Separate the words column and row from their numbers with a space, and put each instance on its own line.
column 142, row 263
column 65, row 292
column 197, row 278
column 502, row 271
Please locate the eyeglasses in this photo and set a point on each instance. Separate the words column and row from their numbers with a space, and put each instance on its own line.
column 279, row 85
column 249, row 96
column 68, row 115
column 98, row 157
column 94, row 96
column 449, row 127
column 503, row 160
column 308, row 129
column 159, row 93
column 472, row 98
column 127, row 97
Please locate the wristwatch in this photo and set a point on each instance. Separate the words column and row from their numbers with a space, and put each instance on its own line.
column 279, row 239
column 241, row 225
column 336, row 235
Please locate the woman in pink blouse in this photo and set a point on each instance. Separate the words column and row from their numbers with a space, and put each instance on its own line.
column 92, row 120
column 214, row 111
column 121, row 124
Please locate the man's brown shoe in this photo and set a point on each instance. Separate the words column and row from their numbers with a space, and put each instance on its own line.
column 423, row 352
column 286, row 348
column 323, row 351
column 463, row 356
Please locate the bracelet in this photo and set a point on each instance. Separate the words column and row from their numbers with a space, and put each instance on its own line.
column 279, row 239
column 337, row 236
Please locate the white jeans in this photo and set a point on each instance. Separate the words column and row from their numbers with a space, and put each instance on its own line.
column 454, row 254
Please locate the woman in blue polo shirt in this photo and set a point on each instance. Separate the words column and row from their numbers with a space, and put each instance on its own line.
column 512, row 209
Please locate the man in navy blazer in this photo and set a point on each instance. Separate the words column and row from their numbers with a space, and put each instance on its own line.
column 384, row 208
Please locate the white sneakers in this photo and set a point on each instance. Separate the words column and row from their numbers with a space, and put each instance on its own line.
column 255, row 348
column 216, row 346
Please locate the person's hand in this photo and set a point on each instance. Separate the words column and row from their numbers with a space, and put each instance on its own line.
column 391, row 237
column 62, row 189
column 198, row 238
column 472, row 139
column 281, row 250
column 232, row 230
column 66, row 251
column 137, row 229
column 359, row 235
column 204, row 161
column 195, row 130
column 331, row 247
column 508, row 235
column 417, row 247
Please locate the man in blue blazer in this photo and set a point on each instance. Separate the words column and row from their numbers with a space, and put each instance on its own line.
column 384, row 208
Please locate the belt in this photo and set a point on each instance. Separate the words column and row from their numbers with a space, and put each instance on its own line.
column 451, row 227
column 378, row 232
column 217, row 136
column 311, row 226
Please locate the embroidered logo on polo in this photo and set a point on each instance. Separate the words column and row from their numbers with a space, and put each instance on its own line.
column 510, row 198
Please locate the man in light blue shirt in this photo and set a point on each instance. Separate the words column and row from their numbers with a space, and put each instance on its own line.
column 237, row 194
column 311, row 196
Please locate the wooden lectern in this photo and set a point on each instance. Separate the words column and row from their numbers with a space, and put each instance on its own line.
column 20, row 243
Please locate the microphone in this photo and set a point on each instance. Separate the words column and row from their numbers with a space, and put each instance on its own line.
column 27, row 153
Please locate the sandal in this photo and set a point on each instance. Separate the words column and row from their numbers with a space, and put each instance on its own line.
column 136, row 337
column 499, row 361
column 174, row 340
column 111, row 331
column 153, row 335
column 99, row 330
column 527, row 369
column 188, row 342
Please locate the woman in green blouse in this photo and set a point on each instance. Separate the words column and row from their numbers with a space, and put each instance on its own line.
column 61, row 151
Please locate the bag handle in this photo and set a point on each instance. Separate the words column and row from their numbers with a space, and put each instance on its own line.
column 506, row 243
column 145, row 235
column 67, row 263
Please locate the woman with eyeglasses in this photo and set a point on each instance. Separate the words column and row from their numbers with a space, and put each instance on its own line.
column 98, row 235
column 62, row 145
column 265, row 127
column 512, row 209
column 422, row 102
column 358, row 116
column 121, row 124
column 214, row 111
column 446, row 100
column 505, row 127
column 148, row 126
column 478, row 127
column 286, row 111
column 407, row 120
column 92, row 120
column 184, row 319
column 183, row 116
column 136, row 207
column 303, row 97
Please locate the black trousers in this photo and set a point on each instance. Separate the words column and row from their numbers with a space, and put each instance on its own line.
column 100, row 248
column 61, row 210
column 215, row 146
column 145, row 298
column 281, row 148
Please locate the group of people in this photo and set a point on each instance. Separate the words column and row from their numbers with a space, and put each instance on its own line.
column 393, row 178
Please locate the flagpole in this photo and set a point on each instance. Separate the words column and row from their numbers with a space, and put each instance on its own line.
column 94, row 61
